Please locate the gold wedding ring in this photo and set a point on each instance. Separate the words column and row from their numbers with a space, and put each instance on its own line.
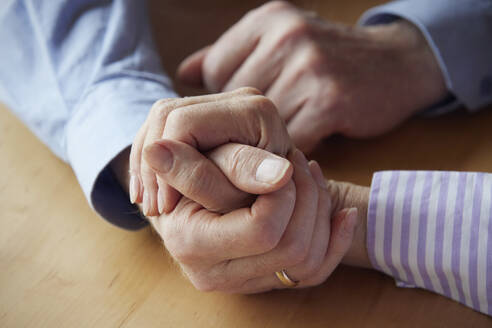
column 285, row 279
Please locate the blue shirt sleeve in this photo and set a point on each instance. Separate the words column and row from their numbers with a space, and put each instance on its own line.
column 459, row 33
column 82, row 75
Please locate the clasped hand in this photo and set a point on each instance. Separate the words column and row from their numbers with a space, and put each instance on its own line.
column 231, row 197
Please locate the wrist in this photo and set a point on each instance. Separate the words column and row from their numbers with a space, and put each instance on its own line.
column 415, row 69
column 347, row 195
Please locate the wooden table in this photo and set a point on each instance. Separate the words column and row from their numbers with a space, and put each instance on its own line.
column 62, row 266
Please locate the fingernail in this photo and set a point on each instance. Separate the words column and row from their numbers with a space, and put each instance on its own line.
column 134, row 188
column 159, row 157
column 160, row 201
column 146, row 203
column 300, row 159
column 350, row 220
column 271, row 170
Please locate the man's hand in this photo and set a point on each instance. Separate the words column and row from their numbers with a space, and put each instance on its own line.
column 325, row 78
column 197, row 238
column 206, row 122
column 239, row 251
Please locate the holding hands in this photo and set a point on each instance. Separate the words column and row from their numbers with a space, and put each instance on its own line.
column 209, row 124
column 220, row 179
column 233, row 200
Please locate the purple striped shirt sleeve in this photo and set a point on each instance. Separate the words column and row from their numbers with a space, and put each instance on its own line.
column 433, row 230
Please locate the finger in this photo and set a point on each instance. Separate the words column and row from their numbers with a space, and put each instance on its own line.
column 282, row 28
column 136, row 186
column 251, row 169
column 294, row 245
column 151, row 188
column 341, row 238
column 194, row 176
column 307, row 139
column 306, row 270
column 197, row 237
column 167, row 196
column 290, row 90
column 251, row 120
column 229, row 52
column 343, row 230
column 190, row 70
column 259, row 70
column 317, row 174
column 321, row 236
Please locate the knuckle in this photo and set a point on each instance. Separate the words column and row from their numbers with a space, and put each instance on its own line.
column 269, row 8
column 312, row 57
column 299, row 26
column 238, row 160
column 267, row 235
column 181, row 126
column 274, row 6
column 160, row 103
column 262, row 114
column 183, row 254
column 239, row 154
column 161, row 107
column 179, row 244
column 296, row 27
column 249, row 91
column 214, row 279
column 179, row 250
column 201, row 283
column 291, row 31
column 176, row 117
column 262, row 104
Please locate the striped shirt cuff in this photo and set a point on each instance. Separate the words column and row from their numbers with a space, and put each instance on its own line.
column 433, row 229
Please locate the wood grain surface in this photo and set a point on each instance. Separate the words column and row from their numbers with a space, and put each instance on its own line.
column 63, row 266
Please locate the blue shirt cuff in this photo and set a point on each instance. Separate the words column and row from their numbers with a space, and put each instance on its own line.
column 104, row 124
column 458, row 32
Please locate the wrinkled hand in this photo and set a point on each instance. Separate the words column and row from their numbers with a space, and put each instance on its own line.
column 242, row 116
column 239, row 251
column 325, row 78
column 289, row 226
column 204, row 242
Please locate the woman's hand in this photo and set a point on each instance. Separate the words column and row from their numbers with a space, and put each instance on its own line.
column 289, row 229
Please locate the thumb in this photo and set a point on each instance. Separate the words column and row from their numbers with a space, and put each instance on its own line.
column 194, row 176
column 190, row 70
column 252, row 169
